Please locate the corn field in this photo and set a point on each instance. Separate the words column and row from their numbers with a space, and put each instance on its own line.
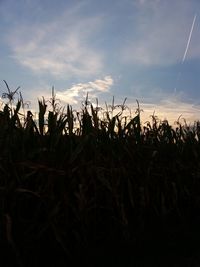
column 76, row 183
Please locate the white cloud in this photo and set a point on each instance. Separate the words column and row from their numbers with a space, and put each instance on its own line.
column 171, row 111
column 61, row 48
column 77, row 92
column 170, row 108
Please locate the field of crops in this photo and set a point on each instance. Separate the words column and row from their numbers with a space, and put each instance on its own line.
column 94, row 186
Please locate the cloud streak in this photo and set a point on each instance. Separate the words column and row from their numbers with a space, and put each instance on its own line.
column 158, row 36
column 189, row 38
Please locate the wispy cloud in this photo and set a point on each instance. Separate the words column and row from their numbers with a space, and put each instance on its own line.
column 61, row 48
column 171, row 109
column 77, row 92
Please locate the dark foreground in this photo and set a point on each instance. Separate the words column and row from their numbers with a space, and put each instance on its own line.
column 111, row 193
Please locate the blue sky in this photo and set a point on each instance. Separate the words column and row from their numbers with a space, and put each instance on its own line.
column 140, row 49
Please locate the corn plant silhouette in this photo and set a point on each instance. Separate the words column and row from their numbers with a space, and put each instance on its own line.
column 10, row 95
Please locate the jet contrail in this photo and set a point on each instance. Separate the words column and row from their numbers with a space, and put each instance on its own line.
column 185, row 53
column 189, row 39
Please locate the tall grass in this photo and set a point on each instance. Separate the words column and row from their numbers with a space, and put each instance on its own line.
column 80, row 179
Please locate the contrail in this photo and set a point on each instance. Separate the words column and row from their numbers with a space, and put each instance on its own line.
column 189, row 39
column 185, row 53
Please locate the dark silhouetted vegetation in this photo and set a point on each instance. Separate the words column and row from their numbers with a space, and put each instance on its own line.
column 96, row 187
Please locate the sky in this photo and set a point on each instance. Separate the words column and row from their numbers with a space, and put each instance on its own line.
column 140, row 49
